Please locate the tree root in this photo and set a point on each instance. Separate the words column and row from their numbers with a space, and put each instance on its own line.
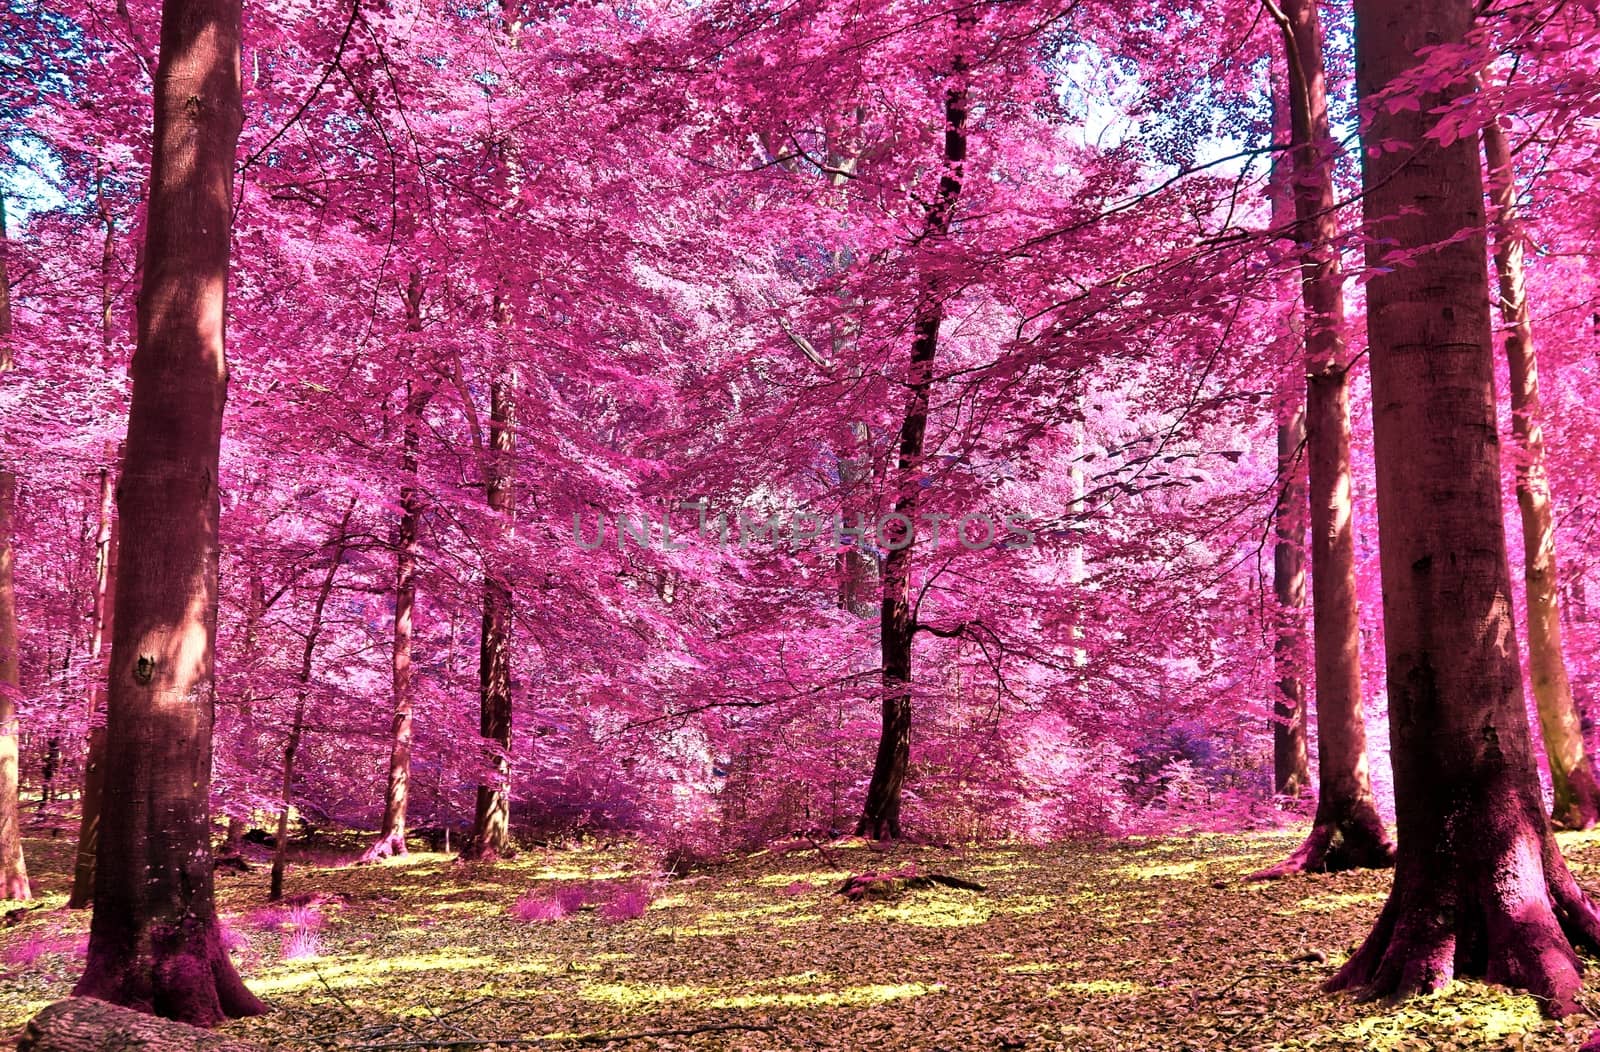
column 391, row 846
column 1333, row 848
column 1506, row 926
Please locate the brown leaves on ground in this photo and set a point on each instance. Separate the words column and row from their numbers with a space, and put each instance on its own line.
column 1153, row 944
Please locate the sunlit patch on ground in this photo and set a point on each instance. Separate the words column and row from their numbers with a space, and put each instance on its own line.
column 1150, row 944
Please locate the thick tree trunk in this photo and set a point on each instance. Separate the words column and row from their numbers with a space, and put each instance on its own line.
column 1291, row 764
column 154, row 942
column 80, row 1024
column 1572, row 775
column 291, row 749
column 1346, row 831
column 1480, row 886
column 99, row 652
column 392, row 836
column 491, row 825
column 880, row 817
column 13, row 870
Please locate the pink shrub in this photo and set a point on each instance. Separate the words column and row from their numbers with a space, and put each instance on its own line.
column 627, row 904
column 301, row 944
column 268, row 918
column 534, row 909
column 26, row 953
column 233, row 940
column 305, row 917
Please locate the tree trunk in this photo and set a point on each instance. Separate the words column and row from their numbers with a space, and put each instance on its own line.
column 233, row 840
column 1291, row 765
column 392, row 836
column 13, row 870
column 1480, row 886
column 880, row 817
column 1572, row 777
column 80, row 1024
column 1291, row 762
column 491, row 825
column 99, row 652
column 1346, row 831
column 154, row 942
column 280, row 850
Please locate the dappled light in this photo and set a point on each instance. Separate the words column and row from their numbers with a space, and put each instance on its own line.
column 768, row 525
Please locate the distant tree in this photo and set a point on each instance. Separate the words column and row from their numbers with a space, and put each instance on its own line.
column 1346, row 831
column 397, row 786
column 880, row 817
column 1575, row 792
column 491, row 825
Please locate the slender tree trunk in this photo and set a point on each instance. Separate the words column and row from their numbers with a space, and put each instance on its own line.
column 154, row 942
column 857, row 570
column 233, row 839
column 105, row 562
column 1480, row 886
column 108, row 259
column 13, row 870
column 1291, row 764
column 291, row 749
column 100, row 653
column 1572, row 776
column 392, row 836
column 491, row 825
column 1346, row 831
column 880, row 817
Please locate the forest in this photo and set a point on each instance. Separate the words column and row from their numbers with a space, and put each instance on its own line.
column 788, row 524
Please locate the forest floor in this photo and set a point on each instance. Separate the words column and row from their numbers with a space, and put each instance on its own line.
column 1135, row 944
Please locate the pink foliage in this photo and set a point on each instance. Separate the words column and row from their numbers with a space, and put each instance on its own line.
column 301, row 944
column 626, row 903
column 25, row 952
column 536, row 907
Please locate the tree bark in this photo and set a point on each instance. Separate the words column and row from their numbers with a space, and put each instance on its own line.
column 80, row 1024
column 1480, row 885
column 280, row 850
column 392, row 836
column 1572, row 776
column 1291, row 764
column 1346, row 831
column 13, row 869
column 99, row 652
column 491, row 826
column 880, row 817
column 154, row 943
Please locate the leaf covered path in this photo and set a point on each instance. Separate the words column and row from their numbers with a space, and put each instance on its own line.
column 1128, row 945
